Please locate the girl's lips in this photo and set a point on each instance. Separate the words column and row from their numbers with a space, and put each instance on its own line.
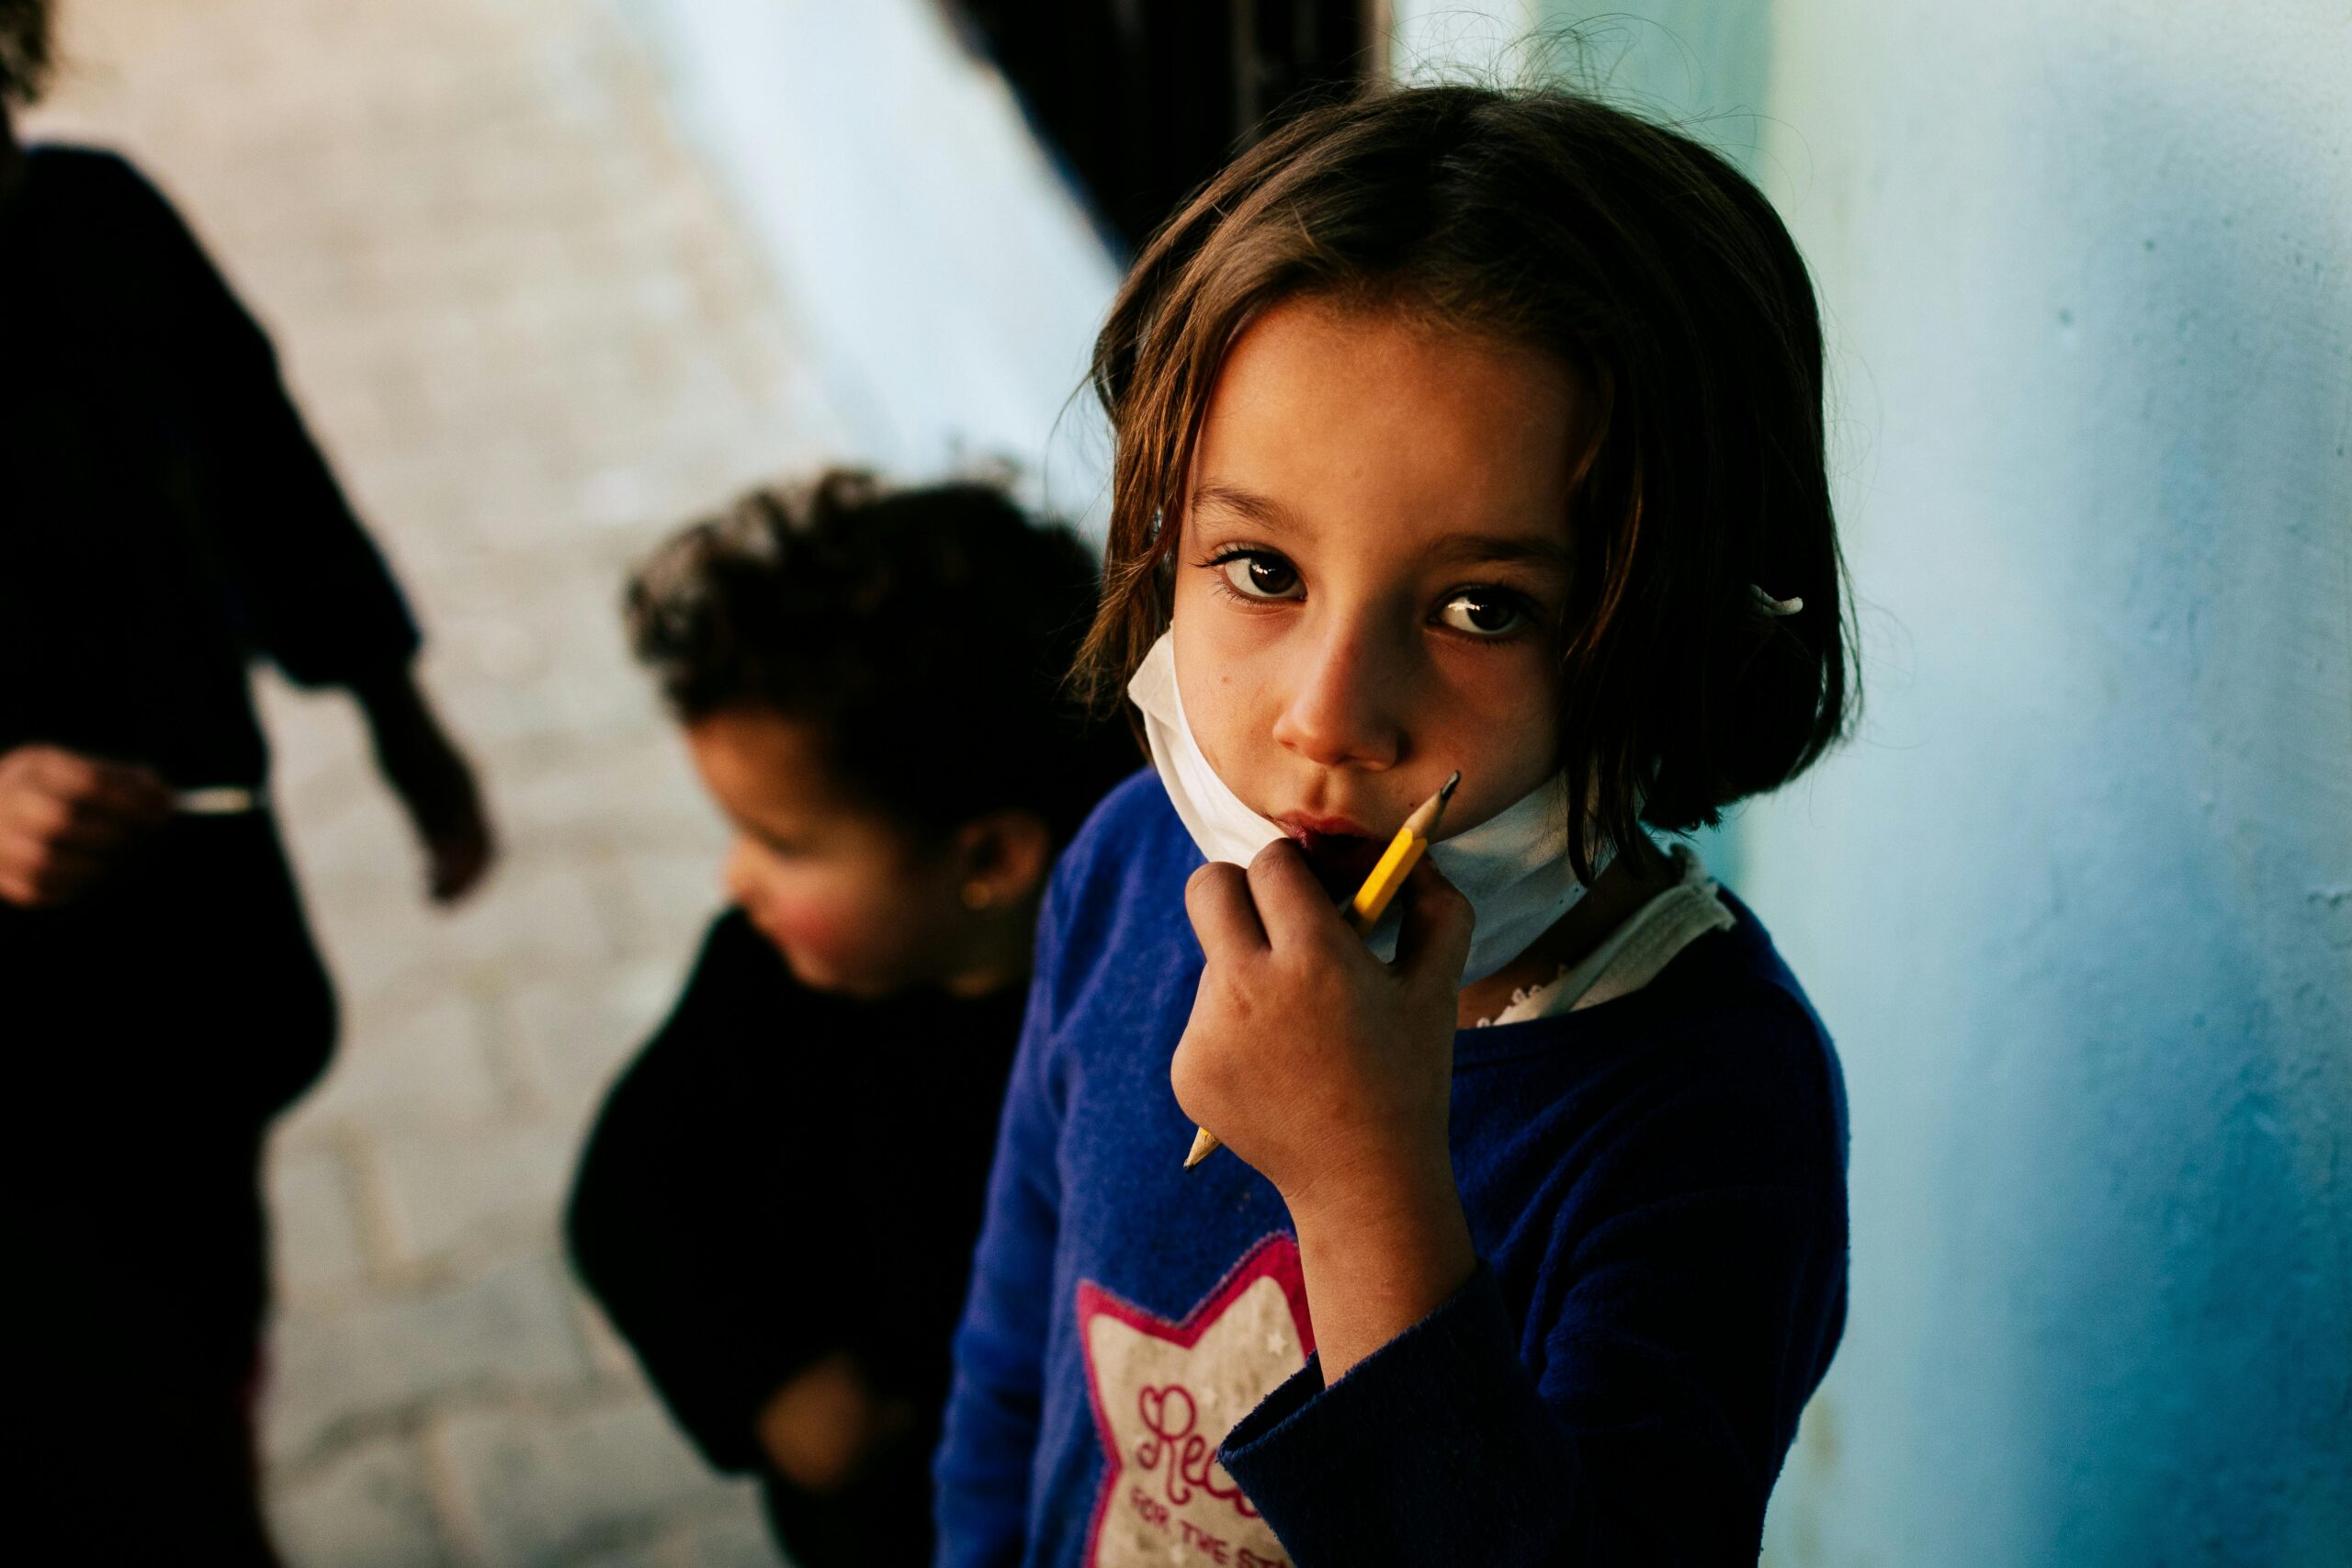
column 1303, row 826
column 1340, row 860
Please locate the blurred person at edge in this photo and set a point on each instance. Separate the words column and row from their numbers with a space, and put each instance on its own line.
column 778, row 1205
column 164, row 519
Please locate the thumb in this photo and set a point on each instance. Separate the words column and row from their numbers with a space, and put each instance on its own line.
column 1433, row 942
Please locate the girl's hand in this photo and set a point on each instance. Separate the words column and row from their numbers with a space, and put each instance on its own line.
column 1330, row 1073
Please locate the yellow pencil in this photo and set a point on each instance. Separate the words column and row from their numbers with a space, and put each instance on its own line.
column 1372, row 900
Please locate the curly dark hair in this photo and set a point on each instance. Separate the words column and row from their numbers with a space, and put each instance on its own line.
column 925, row 632
column 1662, row 281
column 24, row 50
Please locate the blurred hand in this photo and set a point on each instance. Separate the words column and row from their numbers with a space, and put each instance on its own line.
column 433, row 780
column 825, row 1423
column 66, row 820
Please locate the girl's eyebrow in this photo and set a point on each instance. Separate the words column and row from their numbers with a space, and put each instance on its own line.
column 1248, row 504
column 1454, row 549
column 1501, row 549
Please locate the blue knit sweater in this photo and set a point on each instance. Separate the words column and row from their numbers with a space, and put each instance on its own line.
column 1655, row 1189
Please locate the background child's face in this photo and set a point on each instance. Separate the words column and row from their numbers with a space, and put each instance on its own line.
column 1373, row 561
column 842, row 892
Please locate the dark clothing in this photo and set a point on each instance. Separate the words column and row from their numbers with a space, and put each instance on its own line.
column 1655, row 1187
column 165, row 516
column 164, row 1021
column 164, row 519
column 1143, row 104
column 783, row 1173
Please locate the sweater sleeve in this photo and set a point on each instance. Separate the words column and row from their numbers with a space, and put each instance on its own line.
column 314, row 590
column 677, row 1222
column 981, row 1470
column 1643, row 1420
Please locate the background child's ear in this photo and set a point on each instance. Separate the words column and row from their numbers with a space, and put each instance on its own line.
column 1003, row 857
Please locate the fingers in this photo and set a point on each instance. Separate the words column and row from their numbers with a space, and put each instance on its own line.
column 126, row 791
column 1290, row 902
column 1224, row 916
column 64, row 816
column 37, row 880
column 1434, row 943
column 68, row 827
column 89, row 789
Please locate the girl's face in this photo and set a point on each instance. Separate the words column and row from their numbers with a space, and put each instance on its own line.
column 849, row 898
column 1372, row 563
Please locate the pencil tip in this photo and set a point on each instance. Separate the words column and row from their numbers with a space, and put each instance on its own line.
column 1447, row 793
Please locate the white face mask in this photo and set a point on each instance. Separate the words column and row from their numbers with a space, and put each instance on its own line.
column 1512, row 867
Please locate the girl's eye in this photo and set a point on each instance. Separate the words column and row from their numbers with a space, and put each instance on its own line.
column 1259, row 574
column 1484, row 612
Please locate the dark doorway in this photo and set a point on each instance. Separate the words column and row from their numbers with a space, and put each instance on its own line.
column 1142, row 100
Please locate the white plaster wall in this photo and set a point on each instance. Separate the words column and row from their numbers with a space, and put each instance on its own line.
column 950, row 281
column 2078, row 902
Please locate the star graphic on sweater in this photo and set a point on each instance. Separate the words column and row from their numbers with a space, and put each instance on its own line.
column 1166, row 1394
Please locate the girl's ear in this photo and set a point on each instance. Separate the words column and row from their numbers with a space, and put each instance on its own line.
column 1003, row 858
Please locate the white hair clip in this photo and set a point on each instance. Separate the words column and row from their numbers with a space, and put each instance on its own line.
column 1767, row 605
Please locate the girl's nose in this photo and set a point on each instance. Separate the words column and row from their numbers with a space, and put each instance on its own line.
column 1343, row 713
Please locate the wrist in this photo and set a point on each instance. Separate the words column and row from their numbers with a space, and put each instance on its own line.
column 1413, row 1191
column 409, row 743
column 1378, row 1255
column 390, row 686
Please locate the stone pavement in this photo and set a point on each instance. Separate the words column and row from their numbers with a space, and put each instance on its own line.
column 531, row 336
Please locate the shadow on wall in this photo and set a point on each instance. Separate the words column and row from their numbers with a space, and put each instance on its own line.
column 2079, row 904
column 2185, row 1353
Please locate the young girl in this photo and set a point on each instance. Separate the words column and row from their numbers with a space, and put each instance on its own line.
column 1457, row 430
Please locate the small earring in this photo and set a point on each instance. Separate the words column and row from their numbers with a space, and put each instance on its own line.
column 977, row 896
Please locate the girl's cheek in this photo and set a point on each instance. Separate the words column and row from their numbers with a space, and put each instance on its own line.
column 844, row 935
column 790, row 908
column 1234, row 695
column 817, row 932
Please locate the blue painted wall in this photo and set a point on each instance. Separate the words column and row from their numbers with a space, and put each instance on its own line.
column 2078, row 899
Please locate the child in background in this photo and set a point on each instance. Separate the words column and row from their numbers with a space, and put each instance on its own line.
column 1457, row 430
column 778, row 1203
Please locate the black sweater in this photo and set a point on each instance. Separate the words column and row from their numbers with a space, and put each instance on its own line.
column 164, row 519
column 164, row 515
column 783, row 1173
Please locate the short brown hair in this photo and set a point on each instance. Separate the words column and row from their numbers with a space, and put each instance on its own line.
column 1665, row 282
